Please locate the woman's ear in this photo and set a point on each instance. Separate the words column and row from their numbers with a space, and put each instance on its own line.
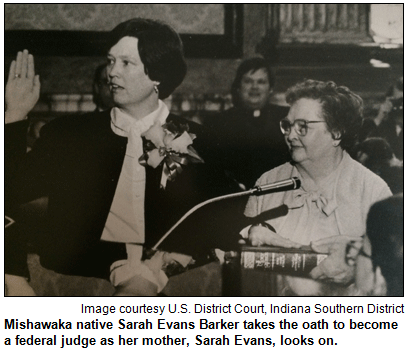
column 156, row 86
column 336, row 136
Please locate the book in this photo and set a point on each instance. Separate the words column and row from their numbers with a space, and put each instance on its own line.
column 291, row 261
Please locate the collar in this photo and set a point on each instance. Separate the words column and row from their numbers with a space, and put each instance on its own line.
column 122, row 123
column 309, row 193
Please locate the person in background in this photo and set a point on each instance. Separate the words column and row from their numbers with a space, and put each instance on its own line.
column 394, row 93
column 107, row 200
column 248, row 135
column 380, row 267
column 376, row 154
column 392, row 128
column 102, row 97
column 392, row 103
column 330, row 208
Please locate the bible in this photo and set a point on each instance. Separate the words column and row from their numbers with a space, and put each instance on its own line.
column 290, row 261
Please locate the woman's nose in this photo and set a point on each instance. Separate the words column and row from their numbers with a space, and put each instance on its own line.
column 292, row 134
column 113, row 70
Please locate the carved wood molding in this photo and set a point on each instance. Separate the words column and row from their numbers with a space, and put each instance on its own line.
column 320, row 23
column 92, row 43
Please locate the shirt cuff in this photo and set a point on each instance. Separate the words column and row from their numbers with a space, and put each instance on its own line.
column 122, row 271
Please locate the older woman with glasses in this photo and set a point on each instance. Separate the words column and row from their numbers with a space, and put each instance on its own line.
column 331, row 207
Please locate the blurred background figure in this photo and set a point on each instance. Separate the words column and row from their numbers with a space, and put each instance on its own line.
column 389, row 121
column 379, row 267
column 377, row 155
column 385, row 233
column 394, row 93
column 100, row 89
column 248, row 135
column 392, row 128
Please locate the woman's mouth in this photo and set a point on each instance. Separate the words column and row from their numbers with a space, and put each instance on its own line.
column 114, row 87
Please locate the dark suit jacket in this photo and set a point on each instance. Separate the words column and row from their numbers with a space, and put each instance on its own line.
column 77, row 162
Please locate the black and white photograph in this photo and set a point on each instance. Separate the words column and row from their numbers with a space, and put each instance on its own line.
column 203, row 150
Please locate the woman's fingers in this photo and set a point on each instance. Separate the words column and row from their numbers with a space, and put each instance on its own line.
column 24, row 64
column 37, row 86
column 12, row 70
column 23, row 67
column 325, row 245
column 19, row 63
column 262, row 236
column 279, row 241
column 30, row 67
column 23, row 87
column 256, row 242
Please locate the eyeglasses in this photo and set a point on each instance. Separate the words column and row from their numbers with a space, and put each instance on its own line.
column 300, row 126
column 355, row 248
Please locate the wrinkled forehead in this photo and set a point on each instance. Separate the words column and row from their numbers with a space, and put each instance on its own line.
column 306, row 109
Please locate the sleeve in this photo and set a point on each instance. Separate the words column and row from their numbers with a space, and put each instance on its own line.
column 28, row 177
column 380, row 191
column 15, row 252
column 14, row 142
column 14, row 150
column 268, row 206
column 255, row 203
column 24, row 181
column 252, row 207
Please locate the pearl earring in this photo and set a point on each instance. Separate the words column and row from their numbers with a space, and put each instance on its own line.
column 156, row 88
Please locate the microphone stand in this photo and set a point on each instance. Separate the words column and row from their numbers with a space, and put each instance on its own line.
column 293, row 182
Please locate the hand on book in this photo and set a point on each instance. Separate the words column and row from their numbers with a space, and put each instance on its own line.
column 337, row 267
column 260, row 235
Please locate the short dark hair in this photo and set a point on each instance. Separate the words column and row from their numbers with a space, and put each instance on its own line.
column 385, row 232
column 342, row 109
column 98, row 81
column 250, row 65
column 160, row 49
column 376, row 148
column 97, row 76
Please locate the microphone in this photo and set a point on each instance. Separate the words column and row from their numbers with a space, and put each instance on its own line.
column 284, row 185
column 279, row 186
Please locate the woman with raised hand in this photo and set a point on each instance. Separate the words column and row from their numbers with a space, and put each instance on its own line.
column 114, row 178
column 22, row 93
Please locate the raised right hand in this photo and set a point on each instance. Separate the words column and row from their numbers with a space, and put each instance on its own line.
column 22, row 89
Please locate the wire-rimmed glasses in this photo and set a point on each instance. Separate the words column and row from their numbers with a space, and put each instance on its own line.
column 300, row 126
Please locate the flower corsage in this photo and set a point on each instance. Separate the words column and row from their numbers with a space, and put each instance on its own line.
column 170, row 144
